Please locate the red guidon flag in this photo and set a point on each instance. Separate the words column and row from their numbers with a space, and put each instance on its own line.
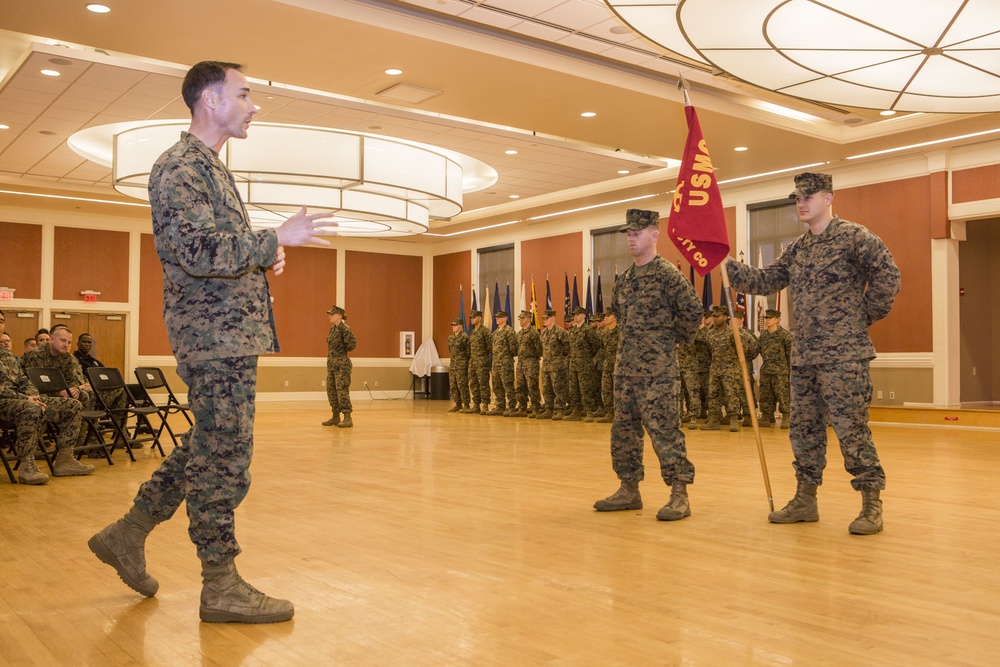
column 697, row 224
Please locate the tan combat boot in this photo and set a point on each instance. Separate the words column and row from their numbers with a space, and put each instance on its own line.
column 455, row 408
column 333, row 421
column 122, row 545
column 802, row 507
column 678, row 506
column 869, row 521
column 784, row 420
column 346, row 421
column 574, row 416
column 66, row 466
column 608, row 418
column 474, row 410
column 625, row 498
column 226, row 598
column 711, row 425
column 28, row 472
column 734, row 424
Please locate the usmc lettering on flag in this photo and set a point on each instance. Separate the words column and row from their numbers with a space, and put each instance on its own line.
column 697, row 224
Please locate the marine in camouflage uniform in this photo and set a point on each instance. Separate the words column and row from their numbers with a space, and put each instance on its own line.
column 584, row 389
column 776, row 351
column 21, row 405
column 529, row 352
column 703, row 354
column 339, row 341
column 841, row 279
column 217, row 310
column 504, row 350
column 480, row 347
column 689, row 365
column 458, row 366
column 555, row 360
column 610, row 341
column 751, row 350
column 724, row 380
column 656, row 308
column 597, row 324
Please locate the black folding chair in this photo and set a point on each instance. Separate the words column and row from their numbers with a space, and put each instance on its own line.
column 8, row 448
column 52, row 381
column 107, row 383
column 152, row 383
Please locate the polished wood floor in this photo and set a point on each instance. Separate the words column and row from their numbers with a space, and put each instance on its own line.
column 425, row 538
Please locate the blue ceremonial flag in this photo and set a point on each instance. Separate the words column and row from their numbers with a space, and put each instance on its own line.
column 722, row 295
column 691, row 277
column 566, row 304
column 590, row 300
column 706, row 292
column 474, row 306
column 496, row 305
column 548, row 294
column 461, row 309
column 600, row 295
column 506, row 307
column 576, row 294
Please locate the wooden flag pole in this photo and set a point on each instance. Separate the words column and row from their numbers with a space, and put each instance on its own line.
column 735, row 326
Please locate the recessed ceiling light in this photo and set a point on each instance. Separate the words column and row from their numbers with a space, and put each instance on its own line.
column 740, row 149
column 47, row 133
column 375, row 128
column 887, row 112
column 619, row 30
column 510, row 152
column 624, row 171
column 392, row 71
column 589, row 114
column 50, row 72
column 514, row 196
column 98, row 9
column 4, row 127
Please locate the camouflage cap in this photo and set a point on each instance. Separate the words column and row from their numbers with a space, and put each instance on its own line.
column 524, row 314
column 608, row 312
column 500, row 313
column 549, row 313
column 708, row 313
column 719, row 310
column 771, row 312
column 597, row 317
column 636, row 218
column 568, row 316
column 335, row 310
column 579, row 310
column 475, row 313
column 809, row 183
column 457, row 322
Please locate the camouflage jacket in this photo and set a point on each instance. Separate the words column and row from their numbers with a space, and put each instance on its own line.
column 776, row 349
column 339, row 342
column 480, row 345
column 555, row 348
column 13, row 382
column 703, row 353
column 612, row 338
column 504, row 343
column 584, row 344
column 722, row 347
column 529, row 343
column 67, row 363
column 216, row 301
column 841, row 281
column 458, row 349
column 656, row 308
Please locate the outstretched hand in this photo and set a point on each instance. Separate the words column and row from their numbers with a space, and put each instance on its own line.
column 302, row 228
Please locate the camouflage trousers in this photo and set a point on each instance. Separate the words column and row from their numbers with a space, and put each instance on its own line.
column 526, row 381
column 458, row 381
column 649, row 402
column 503, row 382
column 691, row 393
column 338, row 385
column 479, row 382
column 210, row 469
column 584, row 390
column 724, row 387
column 608, row 386
column 774, row 392
column 842, row 392
column 554, row 387
column 28, row 418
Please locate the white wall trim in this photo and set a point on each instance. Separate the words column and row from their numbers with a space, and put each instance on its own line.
column 904, row 360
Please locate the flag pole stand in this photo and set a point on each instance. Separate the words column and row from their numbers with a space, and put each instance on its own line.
column 735, row 326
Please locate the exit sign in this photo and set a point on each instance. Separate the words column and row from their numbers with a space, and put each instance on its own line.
column 6, row 294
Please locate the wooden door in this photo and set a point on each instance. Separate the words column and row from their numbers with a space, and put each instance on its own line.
column 107, row 330
column 20, row 324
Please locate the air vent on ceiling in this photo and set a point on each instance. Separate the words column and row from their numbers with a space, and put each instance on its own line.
column 404, row 92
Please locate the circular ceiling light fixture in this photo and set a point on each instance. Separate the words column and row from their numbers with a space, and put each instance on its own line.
column 941, row 56
column 372, row 185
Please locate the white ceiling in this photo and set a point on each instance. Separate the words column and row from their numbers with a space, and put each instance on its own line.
column 514, row 74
